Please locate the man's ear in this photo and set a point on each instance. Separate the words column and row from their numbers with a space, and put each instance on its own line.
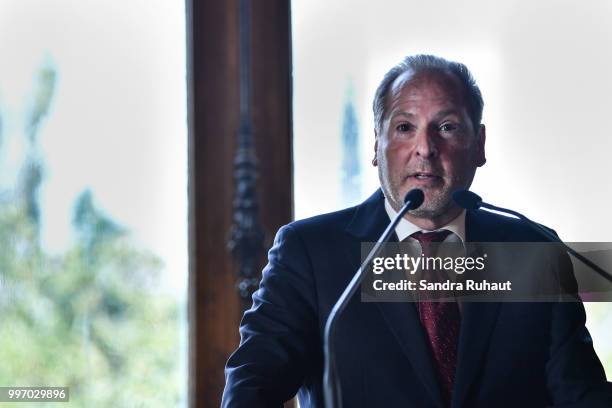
column 481, row 137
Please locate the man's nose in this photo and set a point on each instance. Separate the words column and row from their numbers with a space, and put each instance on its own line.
column 425, row 144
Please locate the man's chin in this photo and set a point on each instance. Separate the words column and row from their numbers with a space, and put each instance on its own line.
column 427, row 213
column 433, row 208
column 436, row 204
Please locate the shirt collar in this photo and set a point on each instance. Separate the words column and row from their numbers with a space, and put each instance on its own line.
column 405, row 228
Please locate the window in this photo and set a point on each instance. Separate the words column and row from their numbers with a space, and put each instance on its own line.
column 93, row 200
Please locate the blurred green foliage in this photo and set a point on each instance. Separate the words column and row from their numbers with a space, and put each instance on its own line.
column 94, row 318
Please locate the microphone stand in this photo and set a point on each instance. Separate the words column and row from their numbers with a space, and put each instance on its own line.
column 331, row 383
column 472, row 201
column 552, row 237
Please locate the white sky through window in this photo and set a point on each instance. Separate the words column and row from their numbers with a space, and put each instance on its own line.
column 117, row 123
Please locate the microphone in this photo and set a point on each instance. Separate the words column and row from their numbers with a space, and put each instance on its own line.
column 331, row 385
column 472, row 201
column 414, row 198
column 466, row 199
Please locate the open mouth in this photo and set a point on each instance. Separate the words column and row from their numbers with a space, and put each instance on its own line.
column 425, row 176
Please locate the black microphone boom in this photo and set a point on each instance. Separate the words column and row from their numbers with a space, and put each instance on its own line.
column 466, row 199
column 331, row 386
column 472, row 201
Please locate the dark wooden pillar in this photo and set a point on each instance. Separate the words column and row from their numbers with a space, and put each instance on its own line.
column 213, row 83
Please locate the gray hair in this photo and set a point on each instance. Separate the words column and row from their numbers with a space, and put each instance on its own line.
column 429, row 63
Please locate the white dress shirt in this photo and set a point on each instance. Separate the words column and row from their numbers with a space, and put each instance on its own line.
column 405, row 228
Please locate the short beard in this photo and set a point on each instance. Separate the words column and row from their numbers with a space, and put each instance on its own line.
column 436, row 207
column 433, row 207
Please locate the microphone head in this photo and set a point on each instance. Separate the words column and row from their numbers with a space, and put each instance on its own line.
column 466, row 199
column 414, row 198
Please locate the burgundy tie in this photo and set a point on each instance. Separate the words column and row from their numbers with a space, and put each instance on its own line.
column 441, row 319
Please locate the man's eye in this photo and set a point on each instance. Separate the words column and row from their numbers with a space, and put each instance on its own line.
column 448, row 127
column 403, row 127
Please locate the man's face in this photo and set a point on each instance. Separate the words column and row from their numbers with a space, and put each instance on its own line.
column 427, row 141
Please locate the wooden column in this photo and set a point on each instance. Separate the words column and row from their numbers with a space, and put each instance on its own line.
column 213, row 83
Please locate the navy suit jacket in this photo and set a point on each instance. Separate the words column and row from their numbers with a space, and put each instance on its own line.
column 510, row 354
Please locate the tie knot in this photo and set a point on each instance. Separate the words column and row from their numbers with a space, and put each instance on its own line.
column 429, row 237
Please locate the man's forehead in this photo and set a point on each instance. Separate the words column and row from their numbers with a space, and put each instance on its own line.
column 434, row 84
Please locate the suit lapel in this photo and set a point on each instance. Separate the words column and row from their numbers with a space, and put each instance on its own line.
column 478, row 319
column 477, row 323
column 404, row 322
column 367, row 225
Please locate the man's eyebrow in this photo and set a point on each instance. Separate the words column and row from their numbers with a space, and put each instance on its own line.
column 438, row 116
column 402, row 113
column 447, row 112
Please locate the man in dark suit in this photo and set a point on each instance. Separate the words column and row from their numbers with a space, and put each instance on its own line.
column 427, row 354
